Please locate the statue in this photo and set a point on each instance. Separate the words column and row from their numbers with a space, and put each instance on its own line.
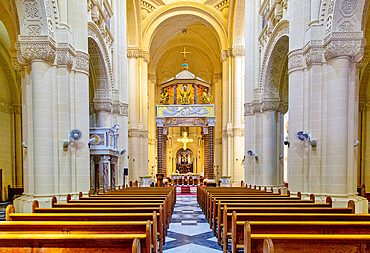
column 206, row 96
column 164, row 97
column 185, row 95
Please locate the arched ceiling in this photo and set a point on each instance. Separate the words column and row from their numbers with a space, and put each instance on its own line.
column 200, row 39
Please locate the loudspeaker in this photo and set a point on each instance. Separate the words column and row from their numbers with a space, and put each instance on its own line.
column 125, row 171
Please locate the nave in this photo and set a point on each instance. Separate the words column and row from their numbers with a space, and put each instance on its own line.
column 189, row 231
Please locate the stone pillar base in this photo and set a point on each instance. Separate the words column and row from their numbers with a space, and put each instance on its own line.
column 361, row 203
column 23, row 204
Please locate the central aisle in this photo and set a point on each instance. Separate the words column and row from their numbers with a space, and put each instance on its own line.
column 189, row 230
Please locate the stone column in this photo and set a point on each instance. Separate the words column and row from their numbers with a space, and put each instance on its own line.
column 237, row 98
column 113, row 175
column 206, row 152
column 103, row 112
column 104, row 167
column 211, row 150
column 225, row 112
column 175, row 94
column 92, row 174
column 195, row 93
column 160, row 152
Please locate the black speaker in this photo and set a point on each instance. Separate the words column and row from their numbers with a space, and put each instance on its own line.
column 125, row 171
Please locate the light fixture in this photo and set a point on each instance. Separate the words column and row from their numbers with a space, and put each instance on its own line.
column 304, row 136
column 74, row 135
column 251, row 153
column 355, row 143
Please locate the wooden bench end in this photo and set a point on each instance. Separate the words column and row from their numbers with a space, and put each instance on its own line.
column 299, row 195
column 268, row 246
column 136, row 246
column 80, row 195
column 312, row 197
column 35, row 204
column 329, row 200
column 53, row 201
column 69, row 197
column 9, row 210
column 351, row 205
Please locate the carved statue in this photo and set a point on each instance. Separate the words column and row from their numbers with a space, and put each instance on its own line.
column 164, row 97
column 185, row 95
column 206, row 96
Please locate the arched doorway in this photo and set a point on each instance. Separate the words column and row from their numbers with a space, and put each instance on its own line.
column 11, row 168
column 184, row 161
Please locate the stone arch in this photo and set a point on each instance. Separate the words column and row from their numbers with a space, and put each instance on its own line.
column 133, row 24
column 278, row 39
column 346, row 16
column 276, row 71
column 236, row 23
column 204, row 14
column 38, row 17
column 102, row 64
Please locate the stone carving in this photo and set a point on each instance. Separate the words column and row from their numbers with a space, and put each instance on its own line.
column 348, row 44
column 82, row 62
column 65, row 55
column 238, row 51
column 132, row 53
column 124, row 109
column 103, row 106
column 349, row 7
column 34, row 30
column 185, row 111
column 211, row 122
column 313, row 53
column 31, row 9
column 160, row 122
column 346, row 26
column 295, row 60
column 35, row 48
column 248, row 109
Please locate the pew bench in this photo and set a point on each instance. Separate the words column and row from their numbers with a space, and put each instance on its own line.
column 76, row 243
column 294, row 227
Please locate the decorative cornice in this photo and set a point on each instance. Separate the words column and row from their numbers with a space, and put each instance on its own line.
column 120, row 108
column 265, row 104
column 137, row 133
column 31, row 48
column 82, row 62
column 350, row 44
column 295, row 60
column 160, row 122
column 145, row 56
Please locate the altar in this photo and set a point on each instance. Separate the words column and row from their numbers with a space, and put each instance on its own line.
column 186, row 179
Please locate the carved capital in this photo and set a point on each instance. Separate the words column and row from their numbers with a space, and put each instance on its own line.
column 350, row 44
column 65, row 55
column 237, row 51
column 270, row 105
column 133, row 53
column 17, row 108
column 224, row 55
column 295, row 60
column 313, row 52
column 160, row 122
column 31, row 48
column 103, row 105
column 145, row 56
column 120, row 108
column 82, row 62
column 211, row 122
column 248, row 109
column 124, row 109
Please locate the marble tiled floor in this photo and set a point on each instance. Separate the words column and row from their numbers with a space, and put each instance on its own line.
column 189, row 231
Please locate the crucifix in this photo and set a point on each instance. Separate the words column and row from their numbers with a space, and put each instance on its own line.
column 184, row 52
column 185, row 140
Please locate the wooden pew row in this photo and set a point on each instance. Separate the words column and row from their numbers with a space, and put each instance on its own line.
column 206, row 200
column 205, row 194
column 81, row 243
column 117, row 198
column 152, row 217
column 277, row 201
column 110, row 206
column 224, row 228
column 213, row 198
column 294, row 227
column 104, row 210
column 307, row 243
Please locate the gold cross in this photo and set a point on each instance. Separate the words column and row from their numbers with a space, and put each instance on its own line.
column 185, row 140
column 184, row 52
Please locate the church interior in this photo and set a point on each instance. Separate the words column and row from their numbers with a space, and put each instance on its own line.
column 190, row 109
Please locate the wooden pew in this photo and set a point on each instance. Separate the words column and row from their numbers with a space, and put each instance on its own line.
column 81, row 243
column 304, row 243
column 153, row 217
column 295, row 227
column 225, row 229
column 110, row 206
column 214, row 210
